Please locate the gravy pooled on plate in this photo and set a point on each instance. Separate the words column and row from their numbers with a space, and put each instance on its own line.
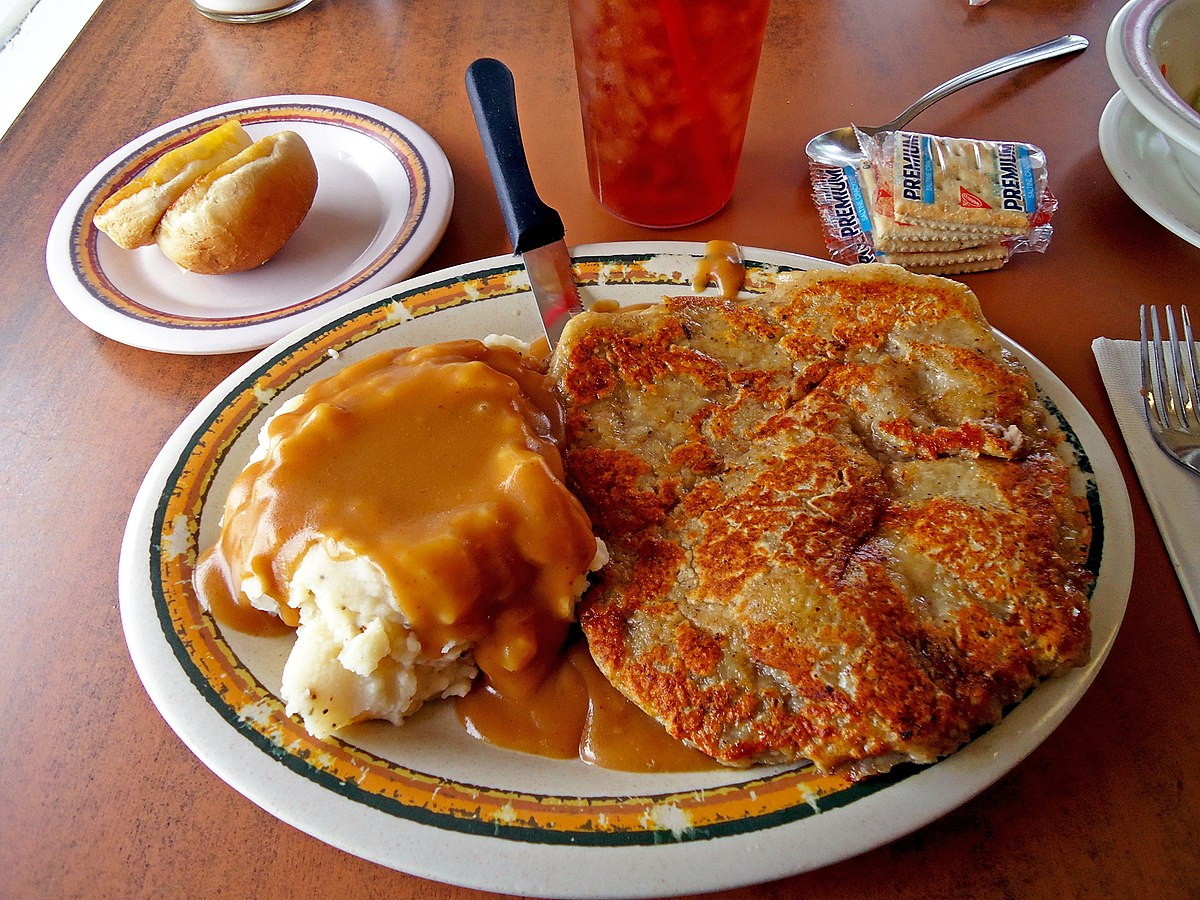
column 573, row 713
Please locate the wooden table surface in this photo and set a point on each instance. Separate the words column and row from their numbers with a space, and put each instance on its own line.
column 98, row 797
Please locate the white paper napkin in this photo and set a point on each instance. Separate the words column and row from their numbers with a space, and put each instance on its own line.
column 1171, row 490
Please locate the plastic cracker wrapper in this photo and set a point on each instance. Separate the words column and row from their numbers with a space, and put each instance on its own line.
column 933, row 204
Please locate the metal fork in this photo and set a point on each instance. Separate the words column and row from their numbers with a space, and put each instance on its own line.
column 1172, row 403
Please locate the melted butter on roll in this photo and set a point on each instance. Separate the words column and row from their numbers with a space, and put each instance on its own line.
column 408, row 516
column 239, row 215
column 132, row 213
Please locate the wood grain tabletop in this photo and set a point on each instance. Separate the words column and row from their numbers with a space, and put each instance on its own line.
column 100, row 798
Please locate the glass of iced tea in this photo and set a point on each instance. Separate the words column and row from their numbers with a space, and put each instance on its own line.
column 665, row 89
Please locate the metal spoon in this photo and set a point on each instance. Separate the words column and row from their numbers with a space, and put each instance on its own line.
column 840, row 146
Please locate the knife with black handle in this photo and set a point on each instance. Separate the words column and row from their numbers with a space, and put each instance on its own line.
column 535, row 229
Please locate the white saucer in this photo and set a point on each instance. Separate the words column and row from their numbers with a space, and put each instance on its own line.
column 1138, row 156
column 382, row 204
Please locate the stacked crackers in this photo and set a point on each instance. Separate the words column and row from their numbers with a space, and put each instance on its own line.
column 952, row 205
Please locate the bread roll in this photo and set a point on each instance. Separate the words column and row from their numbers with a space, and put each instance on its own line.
column 238, row 215
column 130, row 215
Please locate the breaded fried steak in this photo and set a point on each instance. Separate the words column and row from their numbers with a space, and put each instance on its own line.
column 839, row 526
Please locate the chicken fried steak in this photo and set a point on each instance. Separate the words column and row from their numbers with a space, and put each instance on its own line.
column 839, row 525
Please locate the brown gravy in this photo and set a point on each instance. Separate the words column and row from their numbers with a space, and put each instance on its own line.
column 575, row 712
column 210, row 581
column 441, row 465
column 722, row 262
column 612, row 306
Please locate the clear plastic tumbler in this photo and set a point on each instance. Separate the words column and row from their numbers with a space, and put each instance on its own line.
column 665, row 89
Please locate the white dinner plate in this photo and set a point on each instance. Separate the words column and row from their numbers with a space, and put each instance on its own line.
column 1139, row 158
column 383, row 201
column 427, row 799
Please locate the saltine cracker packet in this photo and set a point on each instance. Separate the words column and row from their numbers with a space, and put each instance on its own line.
column 960, row 182
column 935, row 204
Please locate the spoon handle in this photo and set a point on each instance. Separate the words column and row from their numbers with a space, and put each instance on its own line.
column 1068, row 43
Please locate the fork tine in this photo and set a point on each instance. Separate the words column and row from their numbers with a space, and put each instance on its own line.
column 1189, row 349
column 1164, row 401
column 1178, row 386
column 1149, row 396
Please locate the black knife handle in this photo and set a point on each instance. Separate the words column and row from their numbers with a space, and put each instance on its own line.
column 493, row 95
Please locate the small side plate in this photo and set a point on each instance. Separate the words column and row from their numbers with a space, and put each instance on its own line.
column 383, row 202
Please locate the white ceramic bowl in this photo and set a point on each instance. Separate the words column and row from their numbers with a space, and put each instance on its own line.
column 1153, row 51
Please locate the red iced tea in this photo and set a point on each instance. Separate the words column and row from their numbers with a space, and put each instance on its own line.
column 665, row 88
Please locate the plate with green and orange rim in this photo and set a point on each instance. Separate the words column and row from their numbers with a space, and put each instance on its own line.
column 426, row 798
column 384, row 195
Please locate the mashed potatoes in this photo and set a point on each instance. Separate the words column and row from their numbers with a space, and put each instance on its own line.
column 408, row 517
column 355, row 657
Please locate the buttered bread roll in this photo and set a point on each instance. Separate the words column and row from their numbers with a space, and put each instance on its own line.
column 131, row 214
column 241, row 213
